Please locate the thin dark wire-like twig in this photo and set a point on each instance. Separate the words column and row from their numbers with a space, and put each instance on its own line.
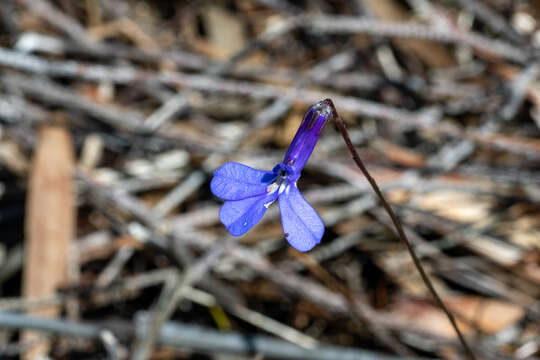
column 399, row 228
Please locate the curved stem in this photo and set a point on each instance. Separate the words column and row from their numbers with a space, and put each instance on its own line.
column 399, row 228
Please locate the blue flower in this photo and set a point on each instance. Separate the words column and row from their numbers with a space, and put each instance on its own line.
column 249, row 192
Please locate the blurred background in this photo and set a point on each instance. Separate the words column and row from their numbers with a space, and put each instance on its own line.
column 115, row 113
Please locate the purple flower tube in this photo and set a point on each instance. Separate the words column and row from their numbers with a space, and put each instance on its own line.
column 249, row 192
column 307, row 135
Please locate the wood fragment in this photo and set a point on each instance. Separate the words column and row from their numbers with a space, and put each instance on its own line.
column 50, row 223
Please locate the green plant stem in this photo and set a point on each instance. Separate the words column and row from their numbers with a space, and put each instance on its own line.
column 399, row 228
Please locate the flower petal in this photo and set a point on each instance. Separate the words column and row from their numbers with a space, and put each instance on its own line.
column 234, row 181
column 241, row 215
column 307, row 135
column 302, row 225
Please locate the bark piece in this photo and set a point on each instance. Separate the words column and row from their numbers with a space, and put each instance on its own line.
column 50, row 223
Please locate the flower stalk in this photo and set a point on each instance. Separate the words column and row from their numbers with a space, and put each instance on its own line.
column 399, row 229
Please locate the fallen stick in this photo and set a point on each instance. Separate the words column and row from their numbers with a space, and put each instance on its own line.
column 50, row 223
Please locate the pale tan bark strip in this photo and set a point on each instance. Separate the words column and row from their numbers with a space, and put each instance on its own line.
column 50, row 223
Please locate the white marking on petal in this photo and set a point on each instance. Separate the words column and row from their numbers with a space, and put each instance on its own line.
column 282, row 188
column 287, row 189
column 266, row 205
column 272, row 187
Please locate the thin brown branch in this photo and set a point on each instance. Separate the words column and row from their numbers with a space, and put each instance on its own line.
column 401, row 233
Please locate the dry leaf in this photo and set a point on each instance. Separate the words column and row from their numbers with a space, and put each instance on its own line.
column 399, row 154
column 225, row 31
column 490, row 316
column 523, row 231
column 436, row 55
column 456, row 205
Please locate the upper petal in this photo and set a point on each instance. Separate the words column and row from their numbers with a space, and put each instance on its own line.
column 302, row 225
column 307, row 135
column 234, row 181
column 241, row 215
